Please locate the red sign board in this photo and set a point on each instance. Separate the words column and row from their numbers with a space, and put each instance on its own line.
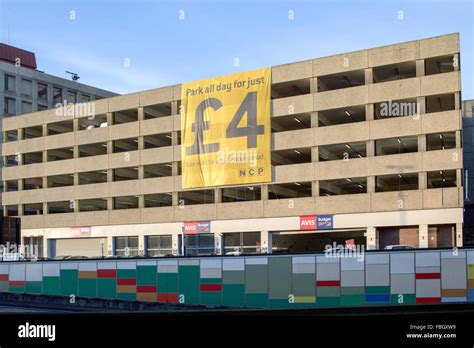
column 308, row 222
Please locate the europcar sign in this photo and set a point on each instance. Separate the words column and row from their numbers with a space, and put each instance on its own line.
column 225, row 125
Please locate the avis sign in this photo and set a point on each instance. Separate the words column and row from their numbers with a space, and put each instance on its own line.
column 197, row 227
column 316, row 222
column 225, row 125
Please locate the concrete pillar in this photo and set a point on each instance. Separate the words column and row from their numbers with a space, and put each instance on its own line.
column 369, row 112
column 174, row 199
column 423, row 236
column 264, row 192
column 458, row 139
column 420, row 68
column 217, row 195
column 369, row 76
column 422, row 180
column 265, row 242
column 175, row 244
column 371, row 238
column 457, row 101
column 141, row 246
column 110, row 245
column 315, row 189
column 141, row 114
column 109, row 118
column 459, row 235
column 421, row 101
column 421, row 143
column 370, row 148
column 174, row 108
column 459, row 178
column 314, row 118
column 314, row 85
column 315, row 154
column 370, row 184
column 218, row 243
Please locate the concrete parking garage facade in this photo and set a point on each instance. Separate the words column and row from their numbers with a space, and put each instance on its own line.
column 111, row 182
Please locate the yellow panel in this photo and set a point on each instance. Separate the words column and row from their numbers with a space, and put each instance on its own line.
column 226, row 131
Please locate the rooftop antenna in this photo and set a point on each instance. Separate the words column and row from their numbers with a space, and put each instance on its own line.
column 74, row 76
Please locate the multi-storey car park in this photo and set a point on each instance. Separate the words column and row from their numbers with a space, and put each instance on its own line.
column 110, row 183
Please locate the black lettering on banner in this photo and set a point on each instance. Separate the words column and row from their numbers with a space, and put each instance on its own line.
column 200, row 126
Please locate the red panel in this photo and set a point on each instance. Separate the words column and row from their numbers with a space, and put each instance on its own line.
column 3, row 277
column 162, row 297
column 328, row 283
column 17, row 283
column 173, row 298
column 10, row 54
column 106, row 273
column 146, row 288
column 211, row 287
column 428, row 300
column 126, row 281
column 428, row 276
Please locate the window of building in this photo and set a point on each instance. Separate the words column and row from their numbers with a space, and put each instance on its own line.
column 341, row 80
column 11, row 210
column 95, row 177
column 122, row 174
column 71, row 97
column 33, row 209
column 159, row 245
column 291, row 156
column 125, row 116
column 33, row 157
column 241, row 194
column 57, row 95
column 392, row 146
column 10, row 107
column 291, row 88
column 60, row 127
column 393, row 72
column 98, row 204
column 439, row 103
column 338, row 116
column 26, row 88
column 12, row 135
column 290, row 190
column 345, row 186
column 242, row 242
column 196, row 197
column 157, row 170
column 42, row 92
column 60, row 154
column 442, row 178
column 26, row 107
column 158, row 110
column 32, row 183
column 157, row 140
column 158, row 200
column 126, row 246
column 10, row 83
column 42, row 107
column 60, row 180
column 199, row 244
column 438, row 65
column 125, row 202
column 441, row 141
column 343, row 151
column 85, row 98
column 396, row 182
column 95, row 149
column 124, row 145
column 32, row 132
column 60, row 207
column 11, row 186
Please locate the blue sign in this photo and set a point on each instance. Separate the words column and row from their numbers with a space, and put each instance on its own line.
column 324, row 222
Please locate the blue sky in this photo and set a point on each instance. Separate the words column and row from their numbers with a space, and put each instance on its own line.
column 164, row 49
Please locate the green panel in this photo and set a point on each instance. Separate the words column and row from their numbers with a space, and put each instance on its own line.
column 106, row 288
column 377, row 290
column 211, row 281
column 189, row 283
column 304, row 284
column 256, row 279
column 88, row 287
column 34, row 287
column 327, row 301
column 303, row 305
column 233, row 295
column 328, row 291
column 279, row 303
column 3, row 286
column 127, row 296
column 17, row 288
column 211, row 297
column 233, row 277
column 470, row 271
column 256, row 300
column 279, row 278
column 126, row 273
column 353, row 290
column 167, row 282
column 352, row 300
column 407, row 299
column 51, row 286
column 68, row 281
column 146, row 275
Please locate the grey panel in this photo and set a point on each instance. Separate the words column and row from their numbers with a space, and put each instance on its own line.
column 352, row 278
column 327, row 271
column 377, row 275
column 428, row 288
column 402, row 284
column 453, row 274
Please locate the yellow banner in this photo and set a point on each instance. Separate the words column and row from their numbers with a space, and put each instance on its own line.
column 225, row 130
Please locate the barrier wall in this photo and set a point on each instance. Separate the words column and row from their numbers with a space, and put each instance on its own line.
column 266, row 281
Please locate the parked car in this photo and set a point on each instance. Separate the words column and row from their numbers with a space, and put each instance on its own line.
column 399, row 247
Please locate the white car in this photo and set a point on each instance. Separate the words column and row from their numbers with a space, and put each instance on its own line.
column 398, row 247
